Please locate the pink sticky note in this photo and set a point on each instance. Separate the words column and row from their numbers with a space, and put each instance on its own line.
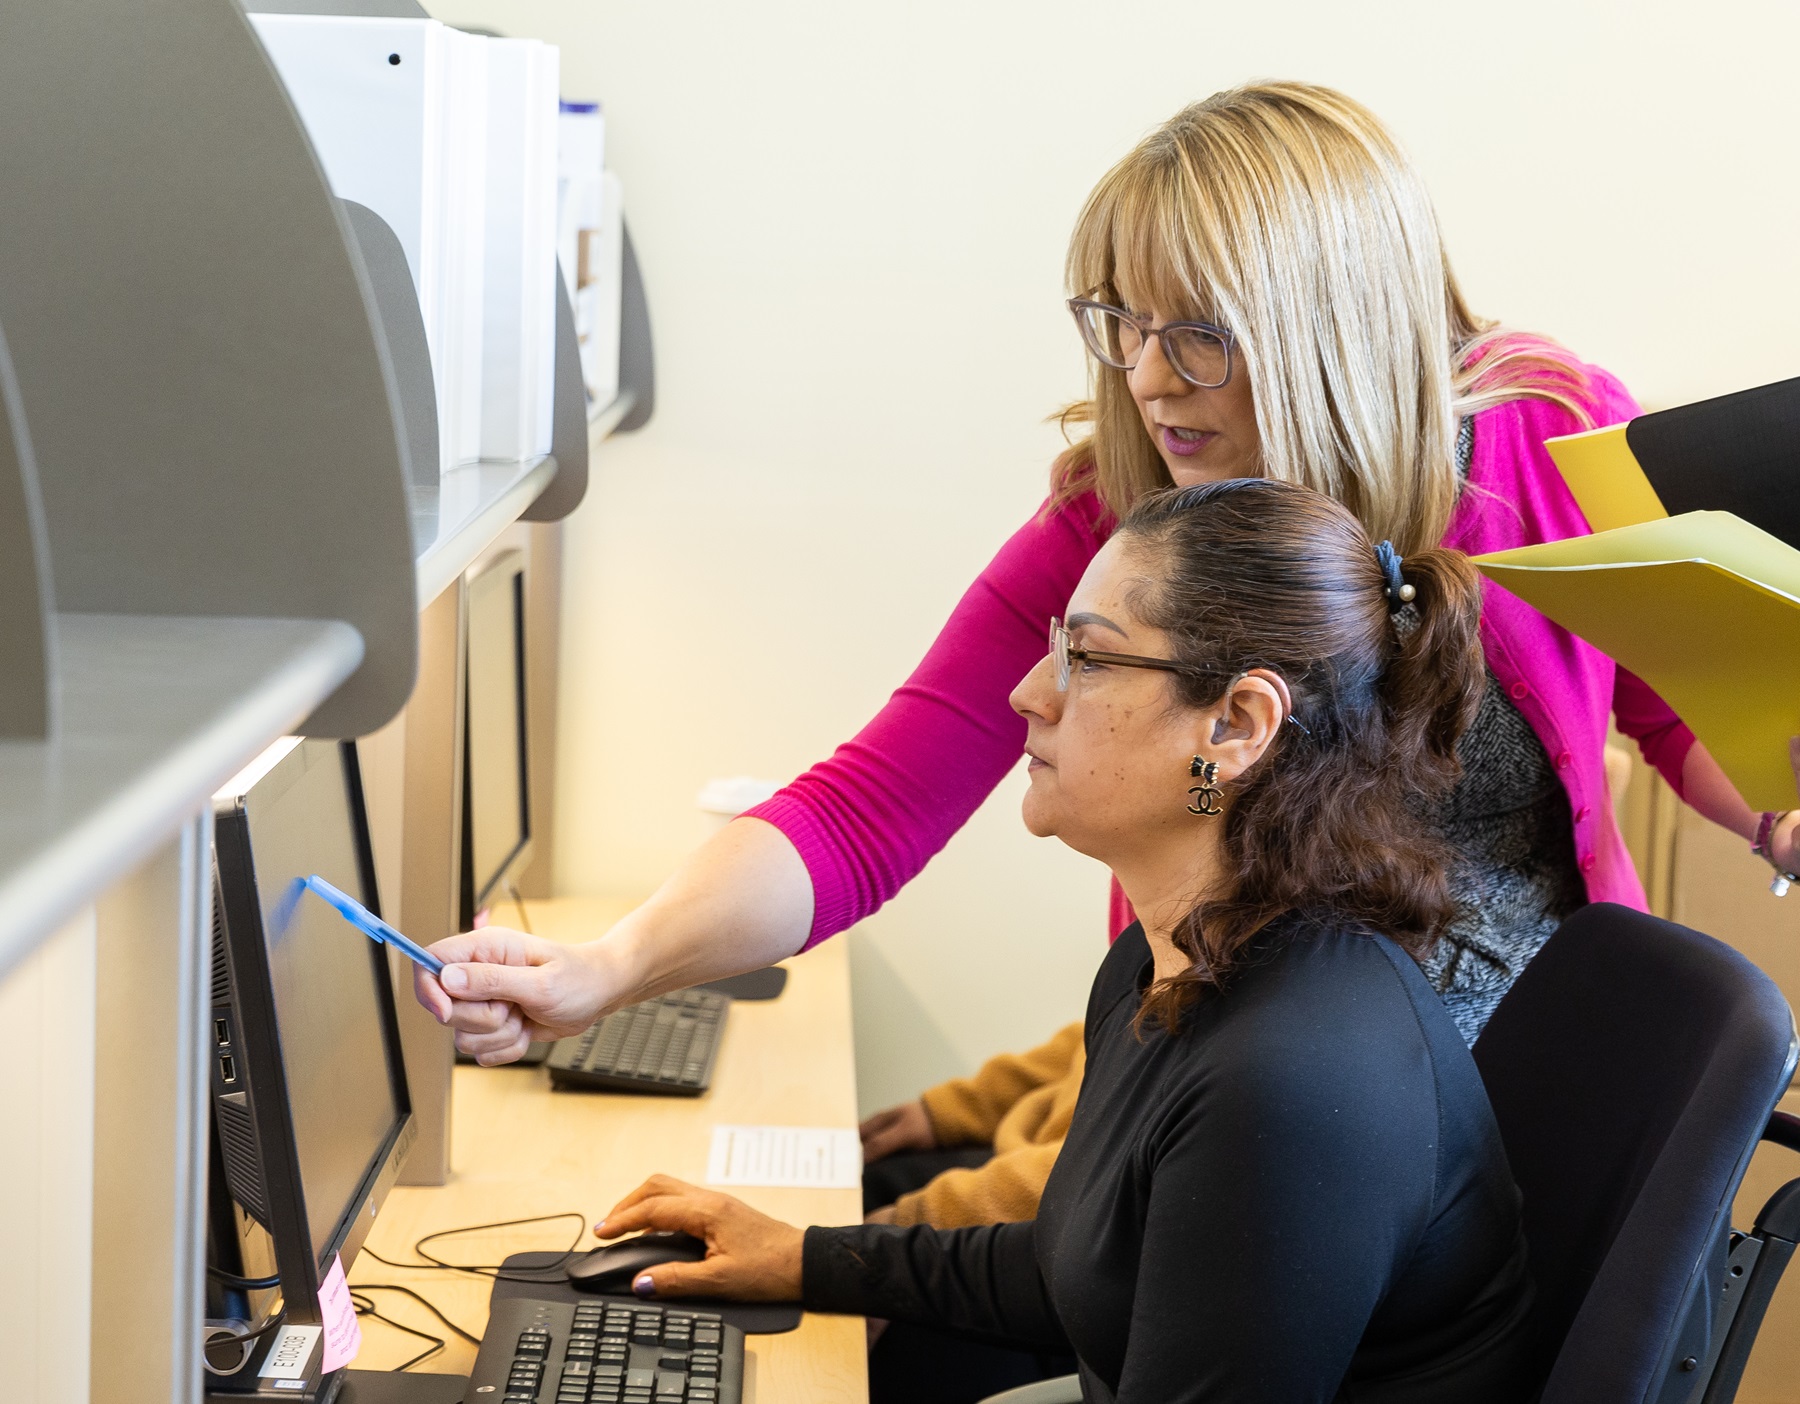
column 343, row 1334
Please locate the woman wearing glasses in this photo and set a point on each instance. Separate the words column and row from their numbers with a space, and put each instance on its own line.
column 1283, row 1180
column 1265, row 294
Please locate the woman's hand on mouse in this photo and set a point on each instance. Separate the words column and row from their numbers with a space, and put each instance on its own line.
column 749, row 1256
column 502, row 990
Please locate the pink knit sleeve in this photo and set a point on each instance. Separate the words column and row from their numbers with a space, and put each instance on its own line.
column 869, row 818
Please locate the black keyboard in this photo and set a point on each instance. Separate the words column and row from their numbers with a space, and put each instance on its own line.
column 605, row 1352
column 664, row 1045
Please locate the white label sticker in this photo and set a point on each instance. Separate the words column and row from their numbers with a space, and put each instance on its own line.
column 293, row 1348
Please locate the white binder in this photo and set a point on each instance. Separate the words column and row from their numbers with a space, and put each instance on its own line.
column 465, row 216
column 519, row 347
column 371, row 94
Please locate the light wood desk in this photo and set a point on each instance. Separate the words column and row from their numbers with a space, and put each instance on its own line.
column 518, row 1149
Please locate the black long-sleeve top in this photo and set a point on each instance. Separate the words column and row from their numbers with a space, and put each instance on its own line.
column 1301, row 1195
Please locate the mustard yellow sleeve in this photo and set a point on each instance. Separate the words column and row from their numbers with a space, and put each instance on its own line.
column 1004, row 1190
column 966, row 1110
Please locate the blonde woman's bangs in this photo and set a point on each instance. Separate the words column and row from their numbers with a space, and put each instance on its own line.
column 1137, row 242
column 1288, row 215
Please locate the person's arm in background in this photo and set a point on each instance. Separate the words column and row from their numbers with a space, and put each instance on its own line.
column 1693, row 774
column 967, row 1111
column 1020, row 1103
column 821, row 855
column 1005, row 1190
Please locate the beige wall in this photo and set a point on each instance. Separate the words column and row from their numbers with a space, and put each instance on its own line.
column 851, row 219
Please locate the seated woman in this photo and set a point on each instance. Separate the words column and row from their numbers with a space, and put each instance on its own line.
column 1282, row 1180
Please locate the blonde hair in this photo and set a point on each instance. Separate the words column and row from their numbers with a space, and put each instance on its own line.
column 1288, row 214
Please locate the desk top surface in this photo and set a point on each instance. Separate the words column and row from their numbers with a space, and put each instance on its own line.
column 519, row 1149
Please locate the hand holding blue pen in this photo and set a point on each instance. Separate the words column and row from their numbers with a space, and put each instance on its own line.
column 373, row 926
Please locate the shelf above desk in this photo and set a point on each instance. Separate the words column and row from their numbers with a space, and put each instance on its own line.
column 155, row 714
column 455, row 519
column 458, row 517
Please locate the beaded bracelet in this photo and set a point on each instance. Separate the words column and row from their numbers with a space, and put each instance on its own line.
column 1765, row 830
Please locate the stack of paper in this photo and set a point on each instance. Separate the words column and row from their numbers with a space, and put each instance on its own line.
column 402, row 113
column 519, row 363
column 464, row 153
column 1706, row 609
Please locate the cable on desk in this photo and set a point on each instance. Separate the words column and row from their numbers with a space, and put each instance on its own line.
column 493, row 1270
column 422, row 1301
column 365, row 1307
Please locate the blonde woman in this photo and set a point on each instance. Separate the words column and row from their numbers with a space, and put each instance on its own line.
column 1265, row 293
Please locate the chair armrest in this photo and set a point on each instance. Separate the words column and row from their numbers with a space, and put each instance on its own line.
column 1783, row 1129
column 1064, row 1389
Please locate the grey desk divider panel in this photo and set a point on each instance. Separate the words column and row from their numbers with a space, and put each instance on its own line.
column 27, row 640
column 212, row 408
column 568, row 421
column 637, row 354
column 403, row 329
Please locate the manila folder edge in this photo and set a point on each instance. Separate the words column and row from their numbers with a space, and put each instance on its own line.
column 1706, row 609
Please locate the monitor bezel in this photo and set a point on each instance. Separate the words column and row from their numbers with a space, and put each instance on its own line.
column 257, row 1042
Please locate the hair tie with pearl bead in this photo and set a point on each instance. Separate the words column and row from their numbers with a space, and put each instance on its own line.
column 1398, row 592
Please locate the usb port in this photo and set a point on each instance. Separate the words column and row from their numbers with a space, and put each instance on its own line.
column 227, row 1069
column 220, row 1037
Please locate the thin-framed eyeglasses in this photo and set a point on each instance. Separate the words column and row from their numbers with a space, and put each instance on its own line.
column 1199, row 351
column 1065, row 653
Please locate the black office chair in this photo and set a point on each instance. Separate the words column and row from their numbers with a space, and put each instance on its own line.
column 1633, row 1069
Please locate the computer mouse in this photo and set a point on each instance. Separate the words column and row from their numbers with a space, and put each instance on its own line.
column 614, row 1267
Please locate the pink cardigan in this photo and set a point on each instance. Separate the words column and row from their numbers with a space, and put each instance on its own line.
column 869, row 818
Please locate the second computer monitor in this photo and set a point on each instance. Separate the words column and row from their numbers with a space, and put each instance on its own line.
column 496, row 784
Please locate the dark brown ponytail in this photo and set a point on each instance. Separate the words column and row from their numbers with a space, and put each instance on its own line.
column 1426, row 686
column 1328, row 824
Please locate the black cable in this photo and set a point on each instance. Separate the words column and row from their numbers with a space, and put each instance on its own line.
column 492, row 1270
column 364, row 1307
column 227, row 1336
column 396, row 1287
column 263, row 1329
column 242, row 1284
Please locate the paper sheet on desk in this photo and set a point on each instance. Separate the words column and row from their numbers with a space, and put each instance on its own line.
column 1706, row 609
column 801, row 1157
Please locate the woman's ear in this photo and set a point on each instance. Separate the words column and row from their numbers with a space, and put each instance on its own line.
column 1248, row 718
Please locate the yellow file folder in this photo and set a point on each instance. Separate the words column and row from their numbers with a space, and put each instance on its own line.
column 1606, row 478
column 1706, row 609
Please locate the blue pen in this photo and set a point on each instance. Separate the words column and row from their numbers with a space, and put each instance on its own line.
column 373, row 926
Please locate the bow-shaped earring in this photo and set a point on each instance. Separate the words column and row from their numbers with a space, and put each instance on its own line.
column 1207, row 773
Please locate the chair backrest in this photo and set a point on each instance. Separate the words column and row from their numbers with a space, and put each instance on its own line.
column 1631, row 1069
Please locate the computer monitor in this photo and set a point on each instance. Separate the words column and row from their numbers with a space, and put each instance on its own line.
column 311, row 1113
column 496, row 814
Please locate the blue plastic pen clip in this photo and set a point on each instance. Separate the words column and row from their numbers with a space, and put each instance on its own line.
column 373, row 926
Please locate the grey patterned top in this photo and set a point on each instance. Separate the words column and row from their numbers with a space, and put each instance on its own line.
column 1517, row 877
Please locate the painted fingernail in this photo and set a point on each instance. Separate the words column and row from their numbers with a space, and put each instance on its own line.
column 600, row 1229
column 644, row 1285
